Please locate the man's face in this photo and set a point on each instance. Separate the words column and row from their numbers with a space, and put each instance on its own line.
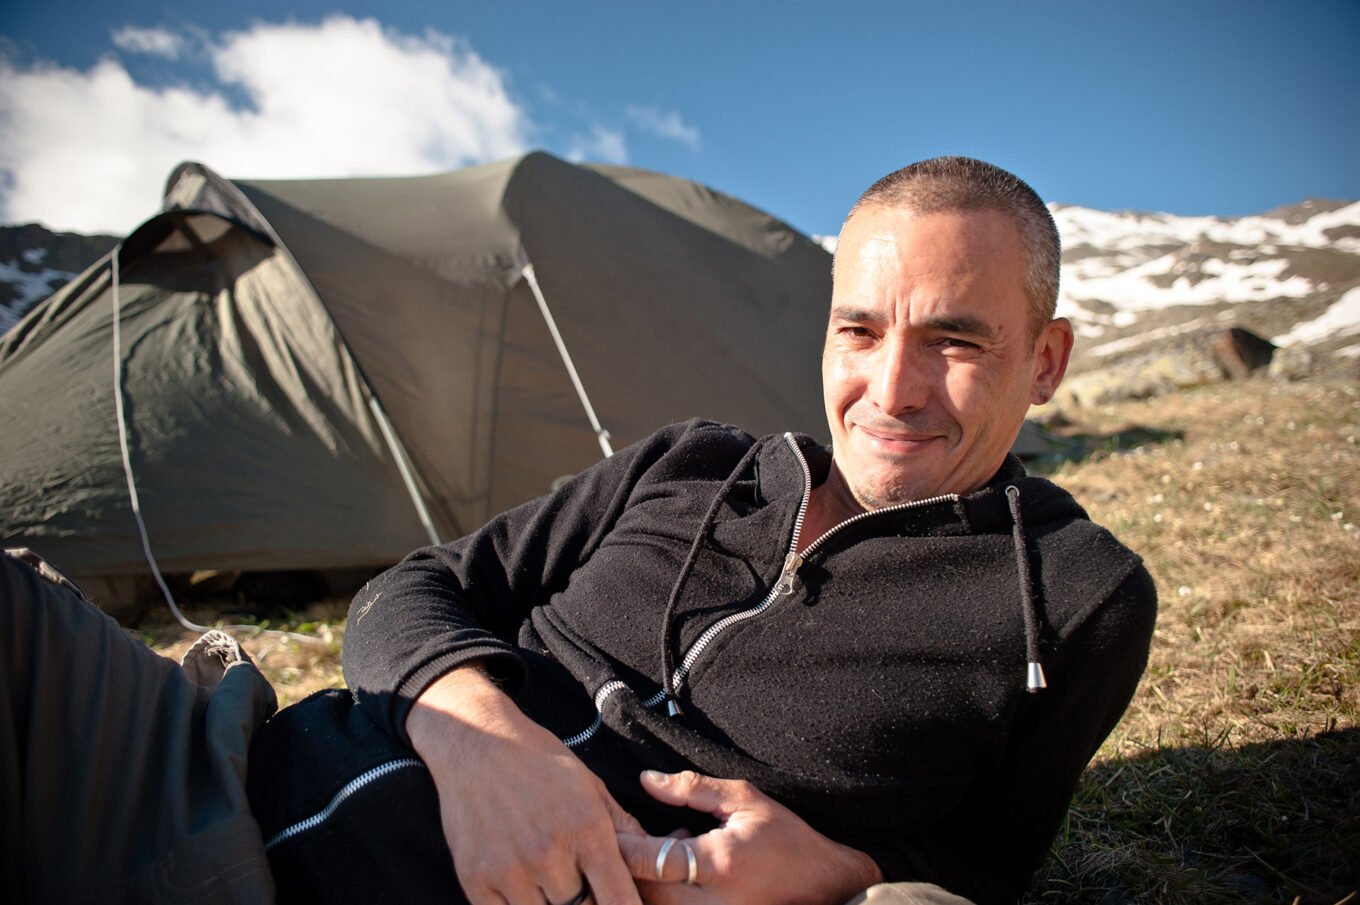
column 929, row 364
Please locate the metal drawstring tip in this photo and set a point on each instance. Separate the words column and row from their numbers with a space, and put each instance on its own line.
column 1036, row 676
column 672, row 707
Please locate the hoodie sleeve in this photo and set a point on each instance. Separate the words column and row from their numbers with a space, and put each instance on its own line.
column 988, row 847
column 448, row 605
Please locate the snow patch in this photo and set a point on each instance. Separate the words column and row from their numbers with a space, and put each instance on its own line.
column 1341, row 319
column 30, row 287
column 1112, row 231
column 1134, row 289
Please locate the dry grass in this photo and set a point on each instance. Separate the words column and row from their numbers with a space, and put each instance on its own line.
column 1235, row 775
column 296, row 666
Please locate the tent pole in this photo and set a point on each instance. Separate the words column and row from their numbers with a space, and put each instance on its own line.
column 403, row 466
column 600, row 433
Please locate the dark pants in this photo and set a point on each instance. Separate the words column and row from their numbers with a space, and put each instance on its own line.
column 347, row 813
column 122, row 775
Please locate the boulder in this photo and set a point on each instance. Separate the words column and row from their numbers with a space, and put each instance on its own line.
column 1240, row 352
column 1194, row 359
column 1292, row 362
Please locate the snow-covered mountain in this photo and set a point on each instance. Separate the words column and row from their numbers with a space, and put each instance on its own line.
column 34, row 262
column 1132, row 281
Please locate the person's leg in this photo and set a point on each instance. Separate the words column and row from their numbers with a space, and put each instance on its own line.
column 348, row 813
column 122, row 777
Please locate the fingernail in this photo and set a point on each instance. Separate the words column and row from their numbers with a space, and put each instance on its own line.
column 655, row 776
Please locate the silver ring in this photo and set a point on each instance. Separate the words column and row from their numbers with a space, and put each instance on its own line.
column 693, row 863
column 661, row 856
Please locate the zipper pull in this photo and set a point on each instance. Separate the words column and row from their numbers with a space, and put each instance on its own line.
column 788, row 581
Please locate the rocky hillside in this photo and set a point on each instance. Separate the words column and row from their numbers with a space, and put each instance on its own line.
column 1152, row 296
column 34, row 261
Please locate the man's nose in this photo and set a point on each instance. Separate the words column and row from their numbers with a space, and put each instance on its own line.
column 901, row 382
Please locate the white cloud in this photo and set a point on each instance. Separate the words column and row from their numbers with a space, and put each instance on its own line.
column 90, row 150
column 666, row 124
column 602, row 144
column 157, row 42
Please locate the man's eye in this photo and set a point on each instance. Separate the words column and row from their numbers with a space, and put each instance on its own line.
column 855, row 331
column 953, row 342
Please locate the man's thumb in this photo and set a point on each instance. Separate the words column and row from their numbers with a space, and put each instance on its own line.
column 688, row 789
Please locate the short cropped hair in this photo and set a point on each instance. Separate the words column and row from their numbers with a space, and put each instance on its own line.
column 964, row 184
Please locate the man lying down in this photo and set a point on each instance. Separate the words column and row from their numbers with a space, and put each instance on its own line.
column 710, row 669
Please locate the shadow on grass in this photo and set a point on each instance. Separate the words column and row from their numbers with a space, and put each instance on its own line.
column 1080, row 447
column 1268, row 822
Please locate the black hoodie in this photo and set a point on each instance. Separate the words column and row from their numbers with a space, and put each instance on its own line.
column 881, row 686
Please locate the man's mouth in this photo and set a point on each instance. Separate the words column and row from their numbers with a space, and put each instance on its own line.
column 894, row 441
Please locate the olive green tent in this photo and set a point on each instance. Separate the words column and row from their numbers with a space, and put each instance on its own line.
column 328, row 373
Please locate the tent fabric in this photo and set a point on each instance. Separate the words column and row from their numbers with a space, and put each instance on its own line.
column 702, row 306
column 261, row 317
column 241, row 401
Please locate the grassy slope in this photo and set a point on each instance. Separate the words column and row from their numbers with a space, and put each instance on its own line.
column 1235, row 775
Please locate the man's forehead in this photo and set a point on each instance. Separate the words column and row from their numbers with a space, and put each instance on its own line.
column 961, row 271
column 878, row 243
column 961, row 241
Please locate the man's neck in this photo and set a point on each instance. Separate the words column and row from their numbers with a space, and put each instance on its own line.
column 830, row 504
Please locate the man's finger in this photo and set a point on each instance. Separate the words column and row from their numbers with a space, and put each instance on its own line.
column 692, row 790
column 564, row 893
column 644, row 854
column 608, row 876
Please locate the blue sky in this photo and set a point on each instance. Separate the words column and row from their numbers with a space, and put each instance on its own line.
column 1188, row 107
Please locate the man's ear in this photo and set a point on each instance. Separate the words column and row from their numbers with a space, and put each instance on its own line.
column 1051, row 351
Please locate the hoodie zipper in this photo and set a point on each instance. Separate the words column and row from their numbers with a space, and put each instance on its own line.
column 787, row 583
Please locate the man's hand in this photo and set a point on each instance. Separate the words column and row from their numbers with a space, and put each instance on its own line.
column 761, row 854
column 525, row 820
